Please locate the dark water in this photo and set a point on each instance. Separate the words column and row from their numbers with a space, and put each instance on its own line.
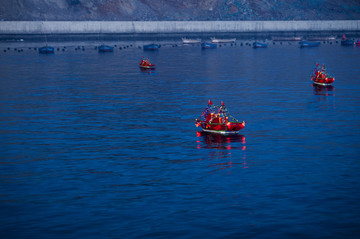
column 91, row 147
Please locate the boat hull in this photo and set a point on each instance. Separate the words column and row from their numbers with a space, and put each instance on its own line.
column 221, row 128
column 190, row 41
column 347, row 42
column 214, row 40
column 104, row 48
column 147, row 67
column 208, row 46
column 286, row 38
column 151, row 47
column 46, row 50
column 222, row 132
column 309, row 44
column 259, row 45
column 324, row 82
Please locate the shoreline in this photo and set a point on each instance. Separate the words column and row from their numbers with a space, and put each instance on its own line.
column 171, row 36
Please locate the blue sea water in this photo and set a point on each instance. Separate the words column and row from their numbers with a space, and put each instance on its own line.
column 93, row 147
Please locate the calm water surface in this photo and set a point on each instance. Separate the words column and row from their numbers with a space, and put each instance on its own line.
column 92, row 147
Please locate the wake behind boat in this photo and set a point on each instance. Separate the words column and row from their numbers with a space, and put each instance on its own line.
column 217, row 120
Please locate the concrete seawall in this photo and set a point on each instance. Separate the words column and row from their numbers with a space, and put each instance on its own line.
column 172, row 27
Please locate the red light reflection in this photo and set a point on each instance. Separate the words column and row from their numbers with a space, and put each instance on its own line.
column 219, row 141
column 223, row 142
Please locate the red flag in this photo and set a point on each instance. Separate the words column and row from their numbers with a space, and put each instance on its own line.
column 210, row 103
column 222, row 103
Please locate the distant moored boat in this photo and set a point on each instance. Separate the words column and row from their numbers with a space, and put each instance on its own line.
column 347, row 42
column 151, row 47
column 215, row 40
column 286, row 38
column 329, row 38
column 105, row 48
column 46, row 50
column 259, row 45
column 309, row 44
column 190, row 41
column 206, row 45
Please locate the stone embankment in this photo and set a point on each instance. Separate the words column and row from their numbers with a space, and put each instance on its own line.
column 173, row 27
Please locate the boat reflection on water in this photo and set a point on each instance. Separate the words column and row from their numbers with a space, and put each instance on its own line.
column 323, row 90
column 147, row 71
column 219, row 141
column 223, row 158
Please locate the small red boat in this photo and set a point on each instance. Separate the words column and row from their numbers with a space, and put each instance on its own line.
column 321, row 77
column 216, row 119
column 145, row 64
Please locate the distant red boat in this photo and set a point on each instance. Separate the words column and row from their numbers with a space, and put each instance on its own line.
column 321, row 77
column 145, row 64
column 216, row 119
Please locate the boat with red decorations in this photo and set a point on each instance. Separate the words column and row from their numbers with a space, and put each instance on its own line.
column 145, row 64
column 216, row 119
column 321, row 77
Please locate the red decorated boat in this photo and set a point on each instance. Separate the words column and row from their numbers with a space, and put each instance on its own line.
column 216, row 119
column 145, row 64
column 321, row 77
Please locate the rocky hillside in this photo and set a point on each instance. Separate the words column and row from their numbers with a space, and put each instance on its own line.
column 129, row 10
